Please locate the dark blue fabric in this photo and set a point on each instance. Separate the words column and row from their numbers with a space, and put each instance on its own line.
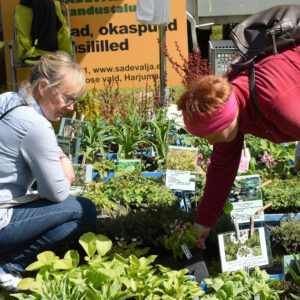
column 43, row 225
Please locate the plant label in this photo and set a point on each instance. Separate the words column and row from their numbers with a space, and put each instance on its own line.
column 82, row 175
column 246, row 199
column 181, row 162
column 186, row 251
column 243, row 251
column 180, row 180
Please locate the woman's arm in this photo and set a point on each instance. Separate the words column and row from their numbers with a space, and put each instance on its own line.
column 67, row 167
column 40, row 151
column 219, row 180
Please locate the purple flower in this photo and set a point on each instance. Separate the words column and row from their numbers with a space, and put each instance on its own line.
column 268, row 159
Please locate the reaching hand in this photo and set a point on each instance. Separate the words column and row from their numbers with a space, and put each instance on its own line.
column 203, row 234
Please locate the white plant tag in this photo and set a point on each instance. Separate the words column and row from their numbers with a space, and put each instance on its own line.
column 186, row 251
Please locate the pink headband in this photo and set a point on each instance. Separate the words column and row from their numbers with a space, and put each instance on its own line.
column 222, row 118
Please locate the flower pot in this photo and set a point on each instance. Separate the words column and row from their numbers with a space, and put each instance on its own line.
column 196, row 266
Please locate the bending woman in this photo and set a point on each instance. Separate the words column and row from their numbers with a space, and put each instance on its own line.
column 28, row 152
column 222, row 112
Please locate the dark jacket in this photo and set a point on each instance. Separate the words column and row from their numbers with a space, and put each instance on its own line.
column 45, row 24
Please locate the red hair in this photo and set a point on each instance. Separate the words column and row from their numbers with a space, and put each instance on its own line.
column 204, row 95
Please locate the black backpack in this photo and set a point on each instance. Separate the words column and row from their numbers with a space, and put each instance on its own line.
column 263, row 34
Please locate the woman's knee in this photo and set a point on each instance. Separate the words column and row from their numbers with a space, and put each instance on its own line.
column 83, row 209
column 89, row 212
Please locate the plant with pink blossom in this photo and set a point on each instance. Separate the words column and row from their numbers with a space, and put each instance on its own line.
column 180, row 233
column 268, row 159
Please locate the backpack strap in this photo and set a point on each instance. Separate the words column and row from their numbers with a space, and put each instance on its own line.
column 12, row 108
column 252, row 88
column 236, row 68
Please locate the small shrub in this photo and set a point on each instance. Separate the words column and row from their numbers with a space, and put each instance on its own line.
column 128, row 190
column 148, row 224
column 286, row 237
column 289, row 288
column 241, row 285
column 285, row 195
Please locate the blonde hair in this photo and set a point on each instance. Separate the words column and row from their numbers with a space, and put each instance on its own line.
column 204, row 95
column 56, row 68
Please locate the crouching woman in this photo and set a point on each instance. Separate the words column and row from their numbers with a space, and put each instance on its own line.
column 30, row 224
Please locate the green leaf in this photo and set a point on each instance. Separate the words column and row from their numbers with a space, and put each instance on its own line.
column 63, row 264
column 133, row 284
column 256, row 287
column 47, row 256
column 35, row 266
column 221, row 294
column 134, row 261
column 217, row 284
column 228, row 207
column 26, row 283
column 22, row 296
column 120, row 258
column 103, row 244
column 73, row 255
column 88, row 243
column 229, row 287
column 295, row 297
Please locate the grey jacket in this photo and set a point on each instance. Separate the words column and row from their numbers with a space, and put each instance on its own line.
column 28, row 152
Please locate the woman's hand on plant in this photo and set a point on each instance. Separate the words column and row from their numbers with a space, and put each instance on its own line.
column 203, row 234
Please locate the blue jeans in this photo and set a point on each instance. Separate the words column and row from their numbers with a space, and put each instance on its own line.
column 43, row 225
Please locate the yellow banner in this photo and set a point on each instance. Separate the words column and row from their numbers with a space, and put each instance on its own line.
column 112, row 46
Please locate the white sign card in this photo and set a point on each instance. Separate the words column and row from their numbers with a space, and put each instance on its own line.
column 181, row 162
column 240, row 251
column 186, row 251
column 82, row 175
column 180, row 180
column 246, row 199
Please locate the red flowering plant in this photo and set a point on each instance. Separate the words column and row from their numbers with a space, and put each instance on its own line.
column 116, row 104
column 113, row 103
column 190, row 67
